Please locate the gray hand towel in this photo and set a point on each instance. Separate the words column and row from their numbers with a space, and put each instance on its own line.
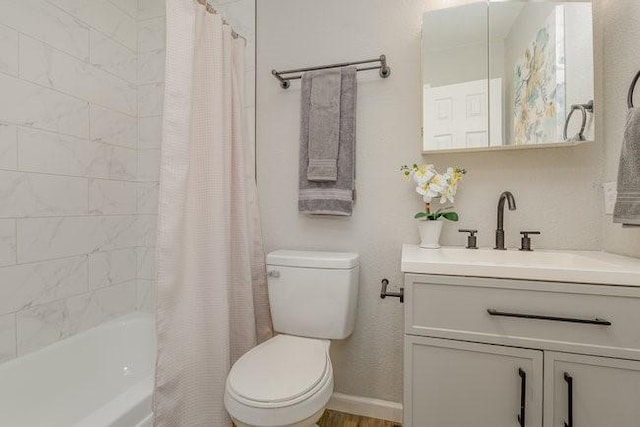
column 324, row 124
column 627, row 209
column 331, row 198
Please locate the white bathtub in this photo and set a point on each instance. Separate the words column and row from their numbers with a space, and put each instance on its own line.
column 99, row 378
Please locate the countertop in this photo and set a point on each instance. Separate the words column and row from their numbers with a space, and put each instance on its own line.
column 548, row 265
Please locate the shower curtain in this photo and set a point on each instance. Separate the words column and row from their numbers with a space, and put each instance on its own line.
column 212, row 303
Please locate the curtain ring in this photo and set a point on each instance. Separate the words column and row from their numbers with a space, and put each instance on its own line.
column 631, row 89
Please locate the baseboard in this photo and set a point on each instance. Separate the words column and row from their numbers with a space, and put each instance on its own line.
column 366, row 407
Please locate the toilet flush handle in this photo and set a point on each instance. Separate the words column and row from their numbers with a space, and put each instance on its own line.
column 274, row 273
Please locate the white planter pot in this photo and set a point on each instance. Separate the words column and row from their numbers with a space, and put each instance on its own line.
column 430, row 234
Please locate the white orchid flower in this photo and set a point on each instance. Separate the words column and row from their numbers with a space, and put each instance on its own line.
column 433, row 185
column 424, row 174
column 439, row 183
column 428, row 191
column 448, row 194
column 424, row 192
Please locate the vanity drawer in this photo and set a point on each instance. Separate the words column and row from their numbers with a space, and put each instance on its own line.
column 544, row 315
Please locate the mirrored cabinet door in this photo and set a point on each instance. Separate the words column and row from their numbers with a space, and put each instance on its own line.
column 507, row 74
column 455, row 78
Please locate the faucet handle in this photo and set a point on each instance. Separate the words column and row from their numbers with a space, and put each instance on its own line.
column 472, row 240
column 526, row 240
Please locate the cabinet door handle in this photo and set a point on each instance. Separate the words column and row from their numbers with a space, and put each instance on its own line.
column 569, row 379
column 523, row 396
column 596, row 321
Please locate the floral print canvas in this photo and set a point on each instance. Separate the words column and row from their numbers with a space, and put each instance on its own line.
column 539, row 83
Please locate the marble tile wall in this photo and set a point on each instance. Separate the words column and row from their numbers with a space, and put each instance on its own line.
column 151, row 59
column 82, row 85
column 72, row 242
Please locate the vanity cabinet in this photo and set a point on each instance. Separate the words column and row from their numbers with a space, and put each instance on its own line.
column 468, row 340
column 456, row 383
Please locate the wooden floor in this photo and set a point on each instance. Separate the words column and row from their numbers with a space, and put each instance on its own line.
column 339, row 419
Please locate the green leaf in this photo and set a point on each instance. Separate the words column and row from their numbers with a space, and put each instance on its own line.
column 420, row 215
column 451, row 216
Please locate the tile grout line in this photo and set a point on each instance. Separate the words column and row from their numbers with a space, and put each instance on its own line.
column 15, row 226
column 133, row 85
column 91, row 27
column 90, row 293
column 68, row 257
column 15, row 334
column 88, row 104
column 135, row 18
column 17, row 30
column 77, row 216
column 67, row 297
column 59, row 134
column 97, row 141
column 88, row 195
column 83, row 61
column 76, row 176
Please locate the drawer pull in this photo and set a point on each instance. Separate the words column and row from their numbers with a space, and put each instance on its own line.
column 569, row 379
column 595, row 321
column 523, row 396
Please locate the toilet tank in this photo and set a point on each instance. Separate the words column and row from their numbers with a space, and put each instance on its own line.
column 313, row 294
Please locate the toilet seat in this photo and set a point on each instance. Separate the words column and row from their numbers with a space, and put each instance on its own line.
column 280, row 382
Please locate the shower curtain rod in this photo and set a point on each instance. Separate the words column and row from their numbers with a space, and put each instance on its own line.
column 385, row 70
column 213, row 11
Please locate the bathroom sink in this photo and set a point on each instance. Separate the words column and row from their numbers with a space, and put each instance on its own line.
column 549, row 265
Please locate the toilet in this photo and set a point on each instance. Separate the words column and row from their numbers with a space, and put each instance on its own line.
column 287, row 381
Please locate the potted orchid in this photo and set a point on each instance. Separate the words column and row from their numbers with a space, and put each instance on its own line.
column 431, row 184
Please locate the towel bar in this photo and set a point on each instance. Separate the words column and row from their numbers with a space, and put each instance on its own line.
column 284, row 79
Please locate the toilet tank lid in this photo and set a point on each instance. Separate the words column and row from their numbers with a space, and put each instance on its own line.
column 313, row 259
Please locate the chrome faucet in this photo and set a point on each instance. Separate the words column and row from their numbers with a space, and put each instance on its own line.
column 508, row 197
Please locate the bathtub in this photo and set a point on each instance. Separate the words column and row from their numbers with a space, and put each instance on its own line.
column 99, row 378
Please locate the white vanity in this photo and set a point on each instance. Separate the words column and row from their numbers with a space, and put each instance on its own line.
column 510, row 338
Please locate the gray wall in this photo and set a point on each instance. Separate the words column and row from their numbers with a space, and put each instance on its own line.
column 558, row 190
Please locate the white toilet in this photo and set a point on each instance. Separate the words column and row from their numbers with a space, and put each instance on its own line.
column 287, row 381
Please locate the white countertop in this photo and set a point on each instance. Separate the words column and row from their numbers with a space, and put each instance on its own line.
column 557, row 266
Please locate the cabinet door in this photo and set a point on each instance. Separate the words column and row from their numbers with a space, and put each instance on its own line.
column 596, row 391
column 459, row 384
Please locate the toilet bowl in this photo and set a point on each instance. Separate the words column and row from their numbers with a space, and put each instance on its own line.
column 287, row 381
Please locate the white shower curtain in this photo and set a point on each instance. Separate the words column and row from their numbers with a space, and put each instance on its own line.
column 212, row 303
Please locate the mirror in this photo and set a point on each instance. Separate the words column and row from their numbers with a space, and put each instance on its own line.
column 507, row 74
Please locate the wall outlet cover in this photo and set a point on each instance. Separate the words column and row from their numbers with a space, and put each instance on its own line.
column 610, row 194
